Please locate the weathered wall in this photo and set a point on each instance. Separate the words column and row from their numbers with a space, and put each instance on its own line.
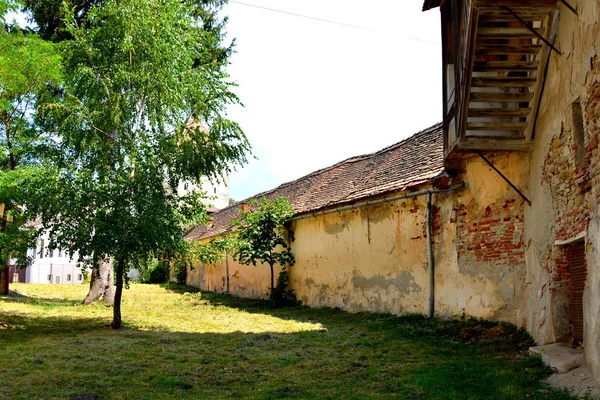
column 375, row 258
column 244, row 280
column 564, row 178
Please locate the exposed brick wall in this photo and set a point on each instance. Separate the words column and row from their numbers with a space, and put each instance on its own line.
column 493, row 235
column 591, row 112
column 569, row 183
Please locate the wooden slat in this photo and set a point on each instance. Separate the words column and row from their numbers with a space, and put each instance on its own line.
column 496, row 126
column 543, row 57
column 512, row 143
column 504, row 66
column 506, row 17
column 523, row 10
column 498, row 112
column 505, row 49
column 507, row 33
column 501, row 97
column 503, row 82
column 532, row 4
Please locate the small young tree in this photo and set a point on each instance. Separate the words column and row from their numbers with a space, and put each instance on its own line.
column 261, row 238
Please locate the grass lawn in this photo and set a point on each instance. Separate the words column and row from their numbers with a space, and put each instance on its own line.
column 179, row 343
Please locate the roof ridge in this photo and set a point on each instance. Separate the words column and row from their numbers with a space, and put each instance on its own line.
column 348, row 160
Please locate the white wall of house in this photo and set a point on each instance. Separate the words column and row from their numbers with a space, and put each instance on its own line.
column 52, row 266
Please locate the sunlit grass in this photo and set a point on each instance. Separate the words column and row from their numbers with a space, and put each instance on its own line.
column 180, row 343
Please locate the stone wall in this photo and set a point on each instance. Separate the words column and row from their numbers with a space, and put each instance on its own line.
column 564, row 178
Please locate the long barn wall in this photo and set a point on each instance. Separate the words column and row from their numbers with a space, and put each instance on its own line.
column 375, row 258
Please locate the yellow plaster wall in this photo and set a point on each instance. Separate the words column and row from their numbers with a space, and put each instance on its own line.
column 375, row 258
column 244, row 280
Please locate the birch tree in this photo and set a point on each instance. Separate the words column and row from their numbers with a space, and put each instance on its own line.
column 137, row 80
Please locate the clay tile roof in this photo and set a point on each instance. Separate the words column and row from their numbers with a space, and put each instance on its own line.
column 403, row 165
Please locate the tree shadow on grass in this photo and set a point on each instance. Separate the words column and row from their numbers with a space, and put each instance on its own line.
column 359, row 356
column 39, row 300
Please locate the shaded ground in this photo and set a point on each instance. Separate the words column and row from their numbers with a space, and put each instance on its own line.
column 179, row 343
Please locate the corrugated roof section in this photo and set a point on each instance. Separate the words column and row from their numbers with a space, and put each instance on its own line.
column 406, row 164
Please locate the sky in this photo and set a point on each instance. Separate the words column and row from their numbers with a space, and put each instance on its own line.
column 326, row 80
column 317, row 92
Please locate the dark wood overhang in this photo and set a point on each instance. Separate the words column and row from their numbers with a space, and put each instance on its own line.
column 494, row 58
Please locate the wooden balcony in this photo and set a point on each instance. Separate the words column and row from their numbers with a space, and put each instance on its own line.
column 495, row 56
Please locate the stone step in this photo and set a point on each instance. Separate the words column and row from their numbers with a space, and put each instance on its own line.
column 561, row 357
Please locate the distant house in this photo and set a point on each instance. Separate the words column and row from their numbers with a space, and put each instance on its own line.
column 48, row 266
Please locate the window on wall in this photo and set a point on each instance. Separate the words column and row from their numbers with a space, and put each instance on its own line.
column 68, row 277
column 578, row 134
column 42, row 248
column 50, row 253
column 60, row 253
column 79, row 277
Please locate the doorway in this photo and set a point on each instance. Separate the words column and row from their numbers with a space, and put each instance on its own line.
column 577, row 276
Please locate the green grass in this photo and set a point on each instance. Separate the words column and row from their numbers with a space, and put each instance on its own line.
column 183, row 344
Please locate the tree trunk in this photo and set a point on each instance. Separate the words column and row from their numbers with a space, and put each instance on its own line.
column 109, row 288
column 120, row 271
column 272, row 279
column 4, row 279
column 101, row 283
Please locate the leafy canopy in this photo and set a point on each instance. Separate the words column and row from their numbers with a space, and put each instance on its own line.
column 128, row 125
column 28, row 65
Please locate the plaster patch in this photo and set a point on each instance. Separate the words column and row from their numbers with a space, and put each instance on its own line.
column 403, row 282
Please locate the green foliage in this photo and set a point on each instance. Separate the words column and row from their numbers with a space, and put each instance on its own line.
column 127, row 127
column 281, row 295
column 214, row 251
column 180, row 272
column 86, row 275
column 28, row 67
column 261, row 237
column 154, row 271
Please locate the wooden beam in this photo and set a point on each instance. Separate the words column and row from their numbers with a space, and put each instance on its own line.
column 501, row 97
column 498, row 112
column 502, row 49
column 505, row 66
column 544, row 56
column 505, row 17
column 503, row 82
column 515, row 3
column 507, row 33
column 496, row 126
column 488, row 144
column 533, row 30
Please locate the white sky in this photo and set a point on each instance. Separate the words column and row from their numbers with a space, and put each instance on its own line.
column 316, row 93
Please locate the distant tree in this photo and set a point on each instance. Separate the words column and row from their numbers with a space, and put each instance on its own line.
column 29, row 67
column 260, row 235
column 231, row 201
column 133, row 86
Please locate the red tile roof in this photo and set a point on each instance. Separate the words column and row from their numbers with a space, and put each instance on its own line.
column 406, row 164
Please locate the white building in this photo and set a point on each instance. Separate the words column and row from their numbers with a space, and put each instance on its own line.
column 49, row 266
